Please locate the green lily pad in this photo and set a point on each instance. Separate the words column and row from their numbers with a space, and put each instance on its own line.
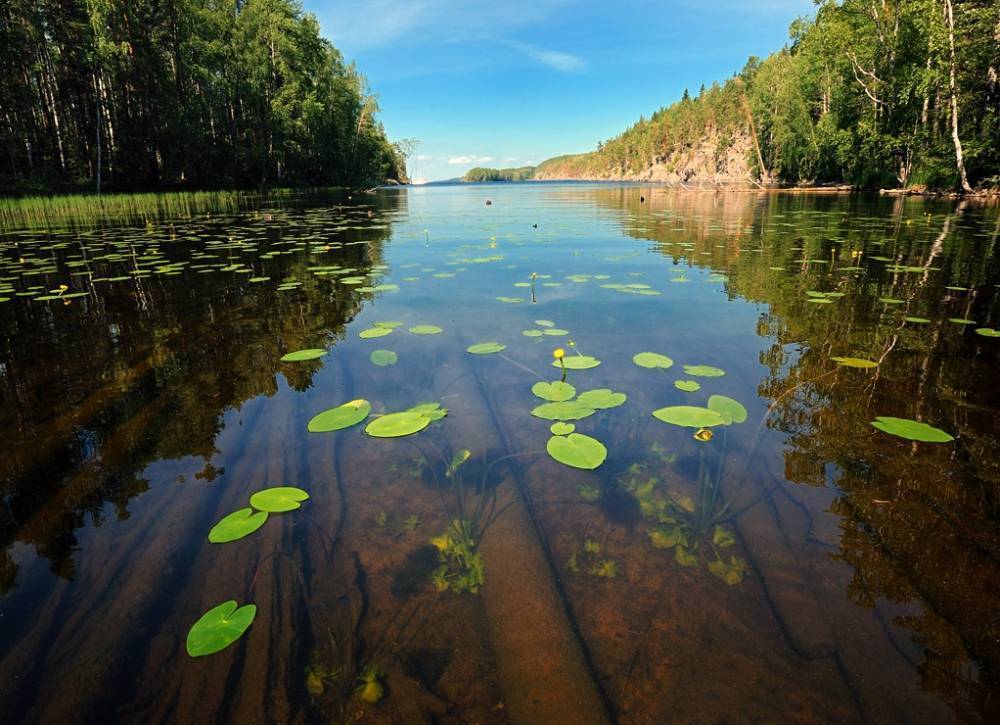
column 560, row 428
column 395, row 425
column 961, row 321
column 219, row 627
column 577, row 362
column 303, row 355
column 987, row 332
column 577, row 450
column 555, row 391
column 732, row 411
column 485, row 348
column 855, row 362
column 703, row 371
column 343, row 416
column 652, row 360
column 532, row 333
column 372, row 332
column 382, row 358
column 554, row 332
column 917, row 320
column 890, row 301
column 911, row 430
column 392, row 325
column 545, row 323
column 237, row 525
column 278, row 499
column 602, row 398
column 689, row 416
column 426, row 330
column 688, row 386
column 566, row 410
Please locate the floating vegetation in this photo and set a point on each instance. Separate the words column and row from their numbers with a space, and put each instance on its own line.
column 732, row 411
column 303, row 355
column 383, row 358
column 485, row 348
column 407, row 422
column 219, row 627
column 987, row 332
column 426, row 330
column 688, row 386
column 703, row 371
column 556, row 391
column 237, row 525
column 373, row 332
column 577, row 450
column 689, row 416
column 652, row 360
column 279, row 499
column 560, row 428
column 911, row 430
column 343, row 416
column 854, row 362
column 577, row 362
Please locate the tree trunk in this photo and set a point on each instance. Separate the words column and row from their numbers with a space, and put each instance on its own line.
column 959, row 159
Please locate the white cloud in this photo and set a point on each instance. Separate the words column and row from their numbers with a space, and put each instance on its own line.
column 363, row 24
column 508, row 159
column 470, row 159
column 565, row 62
column 422, row 157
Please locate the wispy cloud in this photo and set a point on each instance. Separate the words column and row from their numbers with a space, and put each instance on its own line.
column 469, row 159
column 565, row 62
column 368, row 24
column 422, row 157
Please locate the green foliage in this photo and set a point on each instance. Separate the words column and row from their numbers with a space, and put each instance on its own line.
column 461, row 567
column 860, row 96
column 182, row 93
column 523, row 173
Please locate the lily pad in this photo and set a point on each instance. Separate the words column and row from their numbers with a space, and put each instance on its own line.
column 303, row 355
column 689, row 416
column 375, row 332
column 237, row 525
column 911, row 430
column 343, row 416
column 652, row 360
column 732, row 411
column 278, row 499
column 485, row 348
column 602, row 398
column 688, row 386
column 704, row 371
column 566, row 410
column 855, row 362
column 545, row 323
column 560, row 428
column 577, row 362
column 555, row 391
column 961, row 321
column 426, row 330
column 987, row 332
column 532, row 333
column 395, row 425
column 577, row 450
column 382, row 358
column 219, row 627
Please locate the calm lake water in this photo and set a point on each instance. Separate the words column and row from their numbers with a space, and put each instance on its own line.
column 801, row 565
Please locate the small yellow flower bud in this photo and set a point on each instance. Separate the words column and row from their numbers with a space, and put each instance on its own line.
column 703, row 434
column 558, row 353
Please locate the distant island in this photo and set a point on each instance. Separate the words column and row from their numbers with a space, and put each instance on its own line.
column 479, row 174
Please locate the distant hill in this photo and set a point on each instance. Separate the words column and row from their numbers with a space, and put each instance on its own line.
column 896, row 96
column 522, row 173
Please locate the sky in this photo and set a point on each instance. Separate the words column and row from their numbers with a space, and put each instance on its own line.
column 503, row 83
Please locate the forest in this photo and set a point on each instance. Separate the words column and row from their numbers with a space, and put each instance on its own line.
column 181, row 94
column 522, row 173
column 875, row 93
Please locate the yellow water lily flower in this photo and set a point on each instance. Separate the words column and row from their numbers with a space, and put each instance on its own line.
column 703, row 434
column 558, row 353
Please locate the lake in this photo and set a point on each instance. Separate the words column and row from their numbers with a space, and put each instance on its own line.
column 509, row 533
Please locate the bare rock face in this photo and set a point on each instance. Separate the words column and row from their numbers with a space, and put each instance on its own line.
column 718, row 159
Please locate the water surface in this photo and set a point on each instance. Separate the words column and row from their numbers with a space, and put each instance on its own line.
column 860, row 577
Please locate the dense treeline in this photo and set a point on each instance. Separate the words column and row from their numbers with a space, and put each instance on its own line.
column 150, row 94
column 870, row 92
column 522, row 173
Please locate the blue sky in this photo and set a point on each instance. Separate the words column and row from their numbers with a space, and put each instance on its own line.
column 513, row 82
